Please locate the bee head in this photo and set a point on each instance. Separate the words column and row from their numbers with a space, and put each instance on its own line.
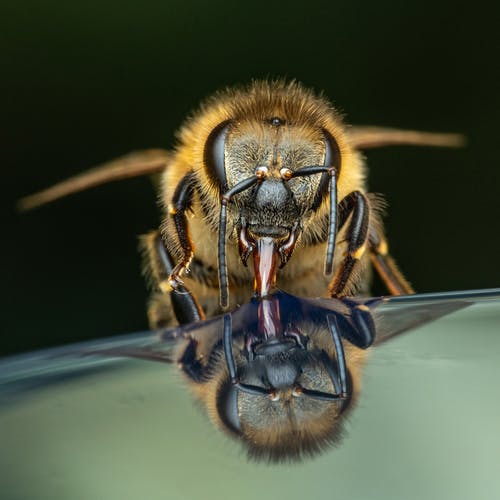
column 284, row 406
column 275, row 151
column 284, row 395
column 271, row 153
column 271, row 191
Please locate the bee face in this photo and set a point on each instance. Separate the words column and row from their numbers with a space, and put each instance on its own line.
column 273, row 206
column 276, row 126
column 276, row 149
column 269, row 163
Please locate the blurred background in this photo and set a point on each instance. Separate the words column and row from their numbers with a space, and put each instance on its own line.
column 86, row 82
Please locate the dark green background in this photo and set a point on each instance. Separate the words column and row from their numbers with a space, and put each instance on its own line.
column 83, row 83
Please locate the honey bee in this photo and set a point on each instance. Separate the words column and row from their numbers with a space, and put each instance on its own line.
column 270, row 159
column 267, row 170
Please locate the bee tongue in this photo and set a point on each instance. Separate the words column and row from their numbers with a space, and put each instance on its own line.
column 265, row 263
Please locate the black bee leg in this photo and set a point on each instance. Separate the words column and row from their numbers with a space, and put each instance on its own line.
column 357, row 206
column 361, row 329
column 385, row 265
column 181, row 302
column 186, row 310
column 184, row 304
column 190, row 362
column 181, row 202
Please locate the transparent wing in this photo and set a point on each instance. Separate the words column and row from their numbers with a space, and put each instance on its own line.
column 397, row 315
column 40, row 367
column 368, row 137
column 135, row 164
column 392, row 316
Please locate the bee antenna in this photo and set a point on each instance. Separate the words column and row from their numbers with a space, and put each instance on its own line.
column 332, row 226
column 228, row 351
column 339, row 351
column 226, row 197
column 322, row 396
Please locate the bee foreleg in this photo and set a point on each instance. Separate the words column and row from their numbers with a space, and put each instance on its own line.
column 181, row 202
column 356, row 205
column 385, row 266
column 165, row 300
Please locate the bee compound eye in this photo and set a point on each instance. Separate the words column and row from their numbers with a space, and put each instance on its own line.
column 227, row 408
column 214, row 154
column 332, row 159
column 332, row 151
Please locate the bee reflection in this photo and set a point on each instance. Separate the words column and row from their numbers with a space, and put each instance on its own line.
column 280, row 373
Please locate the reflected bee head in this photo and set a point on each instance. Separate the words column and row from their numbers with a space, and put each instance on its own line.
column 287, row 421
column 283, row 398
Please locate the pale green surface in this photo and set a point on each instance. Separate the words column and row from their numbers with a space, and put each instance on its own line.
column 427, row 426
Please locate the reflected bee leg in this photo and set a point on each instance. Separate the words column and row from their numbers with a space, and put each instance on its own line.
column 362, row 324
column 190, row 362
column 356, row 206
column 385, row 266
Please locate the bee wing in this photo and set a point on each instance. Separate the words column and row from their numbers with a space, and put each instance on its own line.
column 243, row 318
column 135, row 164
column 367, row 137
column 25, row 371
column 392, row 316
column 396, row 315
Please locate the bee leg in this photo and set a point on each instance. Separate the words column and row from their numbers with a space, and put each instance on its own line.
column 385, row 265
column 181, row 202
column 165, row 301
column 361, row 331
column 356, row 205
column 181, row 302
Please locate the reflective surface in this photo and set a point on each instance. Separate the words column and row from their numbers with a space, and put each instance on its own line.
column 426, row 426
